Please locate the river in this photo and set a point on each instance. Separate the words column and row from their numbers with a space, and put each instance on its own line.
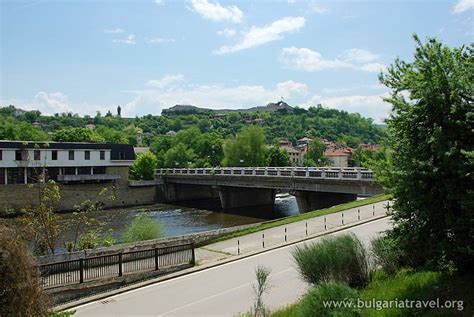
column 181, row 220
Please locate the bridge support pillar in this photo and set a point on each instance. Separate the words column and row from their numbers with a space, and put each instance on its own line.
column 234, row 197
column 308, row 201
column 172, row 193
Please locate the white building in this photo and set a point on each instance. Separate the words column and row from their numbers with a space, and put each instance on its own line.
column 23, row 162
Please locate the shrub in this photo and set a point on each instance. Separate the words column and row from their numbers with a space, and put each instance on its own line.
column 262, row 286
column 340, row 259
column 315, row 302
column 142, row 228
column 386, row 253
column 20, row 294
column 143, row 168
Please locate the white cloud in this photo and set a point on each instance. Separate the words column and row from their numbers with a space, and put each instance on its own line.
column 129, row 40
column 463, row 5
column 318, row 8
column 359, row 55
column 373, row 67
column 227, row 32
column 291, row 88
column 257, row 36
column 159, row 40
column 114, row 31
column 166, row 81
column 216, row 12
column 308, row 60
column 215, row 96
column 159, row 2
column 371, row 106
column 53, row 102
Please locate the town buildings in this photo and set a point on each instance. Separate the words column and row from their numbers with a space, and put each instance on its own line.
column 25, row 162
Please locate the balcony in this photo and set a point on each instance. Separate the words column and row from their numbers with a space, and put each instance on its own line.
column 88, row 178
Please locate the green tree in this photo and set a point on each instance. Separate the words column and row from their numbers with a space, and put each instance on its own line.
column 315, row 155
column 179, row 156
column 143, row 168
column 278, row 157
column 247, row 149
column 431, row 139
column 42, row 223
column 111, row 135
column 78, row 135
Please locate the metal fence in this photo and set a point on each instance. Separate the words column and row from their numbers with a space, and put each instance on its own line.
column 347, row 173
column 113, row 265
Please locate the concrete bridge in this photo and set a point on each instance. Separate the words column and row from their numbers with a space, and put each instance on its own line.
column 314, row 188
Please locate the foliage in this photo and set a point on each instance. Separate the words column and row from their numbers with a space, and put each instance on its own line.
column 339, row 259
column 179, row 156
column 42, row 222
column 405, row 285
column 312, row 303
column 315, row 155
column 142, row 228
column 20, row 294
column 24, row 131
column 78, row 135
column 277, row 157
column 262, row 274
column 143, row 168
column 431, row 133
column 83, row 220
column 386, row 253
column 246, row 149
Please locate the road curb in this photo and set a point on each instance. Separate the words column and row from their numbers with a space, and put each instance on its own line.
column 195, row 269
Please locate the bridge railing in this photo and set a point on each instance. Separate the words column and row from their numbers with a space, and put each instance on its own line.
column 349, row 173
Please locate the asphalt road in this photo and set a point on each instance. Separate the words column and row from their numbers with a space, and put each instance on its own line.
column 225, row 290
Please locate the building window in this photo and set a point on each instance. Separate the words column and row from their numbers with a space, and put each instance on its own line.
column 121, row 155
column 84, row 170
column 99, row 170
column 18, row 155
column 1, row 155
column 37, row 155
column 69, row 170
column 87, row 155
column 102, row 155
column 2, row 176
column 71, row 155
column 54, row 155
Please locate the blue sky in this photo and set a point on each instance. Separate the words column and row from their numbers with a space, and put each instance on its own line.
column 83, row 56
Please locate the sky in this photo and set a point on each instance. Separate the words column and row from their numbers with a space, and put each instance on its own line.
column 87, row 56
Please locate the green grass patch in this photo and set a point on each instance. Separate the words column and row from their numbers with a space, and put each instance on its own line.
column 304, row 216
column 288, row 311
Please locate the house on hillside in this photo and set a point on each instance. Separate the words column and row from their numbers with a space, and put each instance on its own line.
column 296, row 156
column 340, row 157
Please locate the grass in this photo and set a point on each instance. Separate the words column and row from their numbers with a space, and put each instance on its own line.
column 304, row 216
column 408, row 284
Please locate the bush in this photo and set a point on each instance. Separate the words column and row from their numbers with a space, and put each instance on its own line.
column 20, row 294
column 313, row 304
column 142, row 228
column 143, row 168
column 386, row 253
column 340, row 259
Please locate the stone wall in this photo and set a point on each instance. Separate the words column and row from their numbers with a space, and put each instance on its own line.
column 17, row 197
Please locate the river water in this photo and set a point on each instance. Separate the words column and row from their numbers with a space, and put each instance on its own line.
column 181, row 220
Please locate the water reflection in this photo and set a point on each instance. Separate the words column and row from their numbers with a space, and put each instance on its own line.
column 180, row 220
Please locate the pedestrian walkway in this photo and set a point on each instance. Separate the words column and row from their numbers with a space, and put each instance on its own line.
column 286, row 234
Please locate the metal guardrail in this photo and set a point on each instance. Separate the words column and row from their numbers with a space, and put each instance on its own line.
column 303, row 172
column 88, row 177
column 113, row 265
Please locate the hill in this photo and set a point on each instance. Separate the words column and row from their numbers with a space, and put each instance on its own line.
column 189, row 109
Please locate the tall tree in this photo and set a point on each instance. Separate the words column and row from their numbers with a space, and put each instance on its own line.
column 431, row 138
column 247, row 149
